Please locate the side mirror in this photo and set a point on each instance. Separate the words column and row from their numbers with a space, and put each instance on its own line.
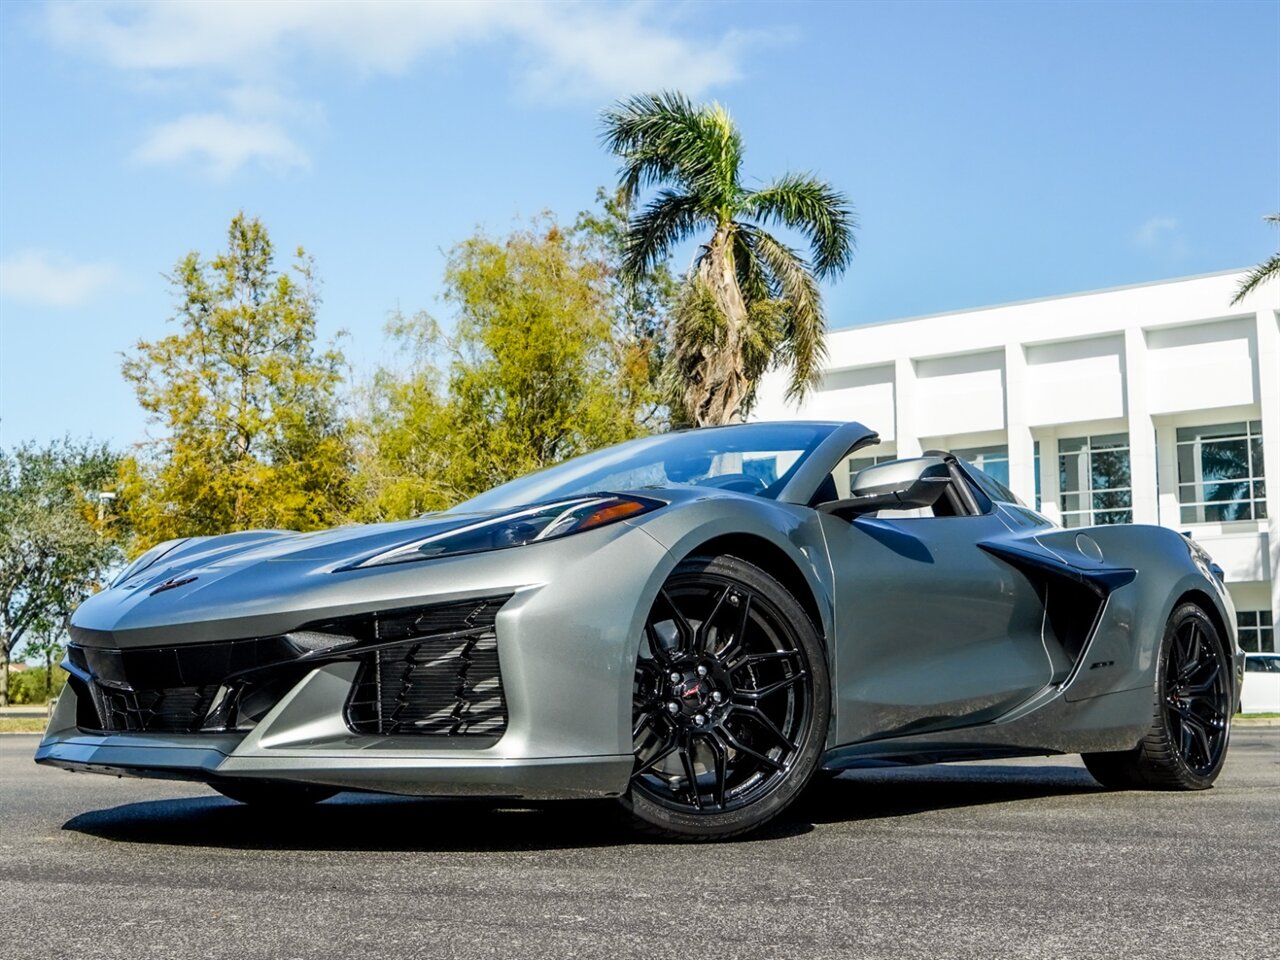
column 897, row 485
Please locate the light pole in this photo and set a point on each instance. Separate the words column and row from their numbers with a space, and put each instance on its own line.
column 103, row 497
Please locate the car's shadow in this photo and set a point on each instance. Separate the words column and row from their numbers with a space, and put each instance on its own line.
column 904, row 791
column 383, row 823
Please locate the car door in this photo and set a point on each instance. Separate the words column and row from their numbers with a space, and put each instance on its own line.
column 933, row 632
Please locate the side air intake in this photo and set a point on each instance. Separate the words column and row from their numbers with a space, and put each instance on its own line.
column 433, row 673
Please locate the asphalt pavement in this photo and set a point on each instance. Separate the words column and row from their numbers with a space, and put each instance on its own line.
column 1027, row 858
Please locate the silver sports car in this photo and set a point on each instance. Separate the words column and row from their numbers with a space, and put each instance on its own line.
column 696, row 623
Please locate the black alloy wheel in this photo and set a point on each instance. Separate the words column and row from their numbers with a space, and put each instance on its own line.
column 1197, row 698
column 1191, row 723
column 730, row 702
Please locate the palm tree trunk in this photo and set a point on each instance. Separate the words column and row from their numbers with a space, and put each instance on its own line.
column 716, row 396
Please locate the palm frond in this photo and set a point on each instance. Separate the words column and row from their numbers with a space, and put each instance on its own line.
column 1259, row 275
column 802, row 202
column 1263, row 272
column 723, row 144
column 803, row 335
column 753, row 281
column 697, row 330
column 663, row 137
column 664, row 222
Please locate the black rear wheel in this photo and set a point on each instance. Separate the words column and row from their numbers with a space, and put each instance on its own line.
column 1191, row 722
column 730, row 702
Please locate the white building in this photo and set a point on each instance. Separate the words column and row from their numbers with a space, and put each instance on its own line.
column 1157, row 403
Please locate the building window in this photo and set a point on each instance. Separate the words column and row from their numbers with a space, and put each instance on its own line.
column 1257, row 634
column 1094, row 480
column 993, row 461
column 1220, row 473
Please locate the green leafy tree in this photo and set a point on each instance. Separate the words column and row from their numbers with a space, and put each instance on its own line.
column 47, row 643
column 531, row 373
column 639, row 306
column 750, row 302
column 56, row 539
column 1263, row 272
column 247, row 402
column 403, row 445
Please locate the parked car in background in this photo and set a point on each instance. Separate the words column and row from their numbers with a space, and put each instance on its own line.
column 1260, row 692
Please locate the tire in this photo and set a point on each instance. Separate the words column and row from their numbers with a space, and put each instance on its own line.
column 1191, row 714
column 731, row 703
column 273, row 796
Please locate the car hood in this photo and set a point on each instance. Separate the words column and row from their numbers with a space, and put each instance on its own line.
column 246, row 569
column 241, row 584
column 217, row 556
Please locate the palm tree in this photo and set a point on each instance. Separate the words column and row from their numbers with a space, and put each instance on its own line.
column 1263, row 272
column 749, row 302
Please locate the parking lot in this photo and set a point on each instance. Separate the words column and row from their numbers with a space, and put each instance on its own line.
column 1027, row 858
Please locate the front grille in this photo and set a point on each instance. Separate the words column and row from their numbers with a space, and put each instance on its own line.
column 437, row 675
column 429, row 671
column 172, row 689
column 171, row 710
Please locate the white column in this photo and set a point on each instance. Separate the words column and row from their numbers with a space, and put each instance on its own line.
column 1269, row 397
column 1170, row 512
column 904, row 408
column 1022, row 465
column 1142, row 452
column 1049, row 491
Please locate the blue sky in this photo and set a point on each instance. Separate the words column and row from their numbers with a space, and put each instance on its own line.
column 994, row 151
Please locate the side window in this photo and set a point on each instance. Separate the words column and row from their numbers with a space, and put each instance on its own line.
column 989, row 485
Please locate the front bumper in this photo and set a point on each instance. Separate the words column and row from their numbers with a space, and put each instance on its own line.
column 209, row 758
column 345, row 761
column 567, row 666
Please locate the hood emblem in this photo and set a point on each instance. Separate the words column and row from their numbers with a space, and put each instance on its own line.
column 171, row 583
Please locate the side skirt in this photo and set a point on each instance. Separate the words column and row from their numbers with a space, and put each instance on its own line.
column 1112, row 722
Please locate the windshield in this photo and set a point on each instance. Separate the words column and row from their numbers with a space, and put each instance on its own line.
column 754, row 458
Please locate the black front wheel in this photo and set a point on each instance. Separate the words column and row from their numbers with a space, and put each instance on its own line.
column 1191, row 716
column 730, row 702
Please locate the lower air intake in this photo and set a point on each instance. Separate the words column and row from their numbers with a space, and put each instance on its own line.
column 172, row 710
column 435, row 673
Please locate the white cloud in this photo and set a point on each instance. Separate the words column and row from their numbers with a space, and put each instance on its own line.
column 575, row 50
column 619, row 53
column 221, row 143
column 1162, row 237
column 240, row 54
column 1155, row 231
column 34, row 276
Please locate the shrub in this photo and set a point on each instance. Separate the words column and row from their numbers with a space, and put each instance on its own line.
column 29, row 685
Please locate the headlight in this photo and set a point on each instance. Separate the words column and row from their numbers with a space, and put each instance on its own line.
column 544, row 521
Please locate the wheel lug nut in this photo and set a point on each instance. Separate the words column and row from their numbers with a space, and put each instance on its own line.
column 675, row 677
column 733, row 600
column 717, row 696
column 702, row 671
column 699, row 720
column 673, row 707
